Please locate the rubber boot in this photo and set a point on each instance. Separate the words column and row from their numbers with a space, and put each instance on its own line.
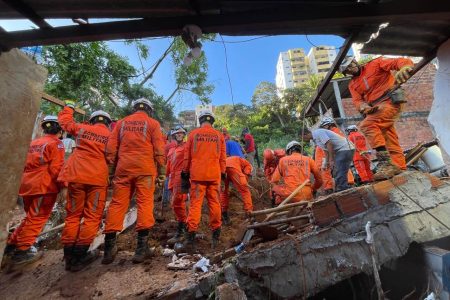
column 188, row 245
column 8, row 253
column 68, row 257
column 215, row 238
column 142, row 251
column 82, row 257
column 385, row 168
column 226, row 218
column 25, row 257
column 178, row 237
column 110, row 251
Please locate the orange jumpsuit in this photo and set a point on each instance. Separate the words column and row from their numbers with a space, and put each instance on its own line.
column 39, row 188
column 350, row 177
column 86, row 173
column 294, row 170
column 271, row 159
column 175, row 161
column 136, row 145
column 204, row 159
column 361, row 161
column 374, row 81
column 237, row 171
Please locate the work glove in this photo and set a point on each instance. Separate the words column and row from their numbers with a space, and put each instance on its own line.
column 185, row 183
column 403, row 74
column 70, row 103
column 366, row 109
column 223, row 176
column 160, row 180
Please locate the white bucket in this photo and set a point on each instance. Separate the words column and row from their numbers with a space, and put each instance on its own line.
column 433, row 158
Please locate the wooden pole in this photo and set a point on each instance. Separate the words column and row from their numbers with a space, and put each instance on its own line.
column 278, row 208
column 274, row 222
column 292, row 195
column 60, row 103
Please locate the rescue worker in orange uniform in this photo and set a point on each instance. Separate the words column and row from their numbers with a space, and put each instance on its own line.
column 330, row 124
column 86, row 174
column 175, row 162
column 238, row 169
column 370, row 88
column 294, row 169
column 39, row 189
column 361, row 159
column 204, row 166
column 271, row 159
column 136, row 148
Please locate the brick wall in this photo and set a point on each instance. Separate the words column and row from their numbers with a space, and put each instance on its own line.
column 412, row 127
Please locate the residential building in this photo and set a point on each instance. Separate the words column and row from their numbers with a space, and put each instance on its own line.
column 320, row 59
column 187, row 119
column 294, row 66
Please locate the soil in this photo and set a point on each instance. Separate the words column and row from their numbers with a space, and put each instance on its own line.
column 47, row 278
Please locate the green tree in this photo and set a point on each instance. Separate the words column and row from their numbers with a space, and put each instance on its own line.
column 90, row 73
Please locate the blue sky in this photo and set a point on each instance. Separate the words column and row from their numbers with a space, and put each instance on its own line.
column 249, row 63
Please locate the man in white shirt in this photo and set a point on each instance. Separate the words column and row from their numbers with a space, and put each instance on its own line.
column 339, row 153
column 69, row 145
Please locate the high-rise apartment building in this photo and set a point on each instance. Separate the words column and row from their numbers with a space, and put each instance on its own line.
column 320, row 59
column 294, row 67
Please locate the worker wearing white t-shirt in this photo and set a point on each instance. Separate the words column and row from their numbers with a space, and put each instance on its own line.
column 69, row 145
column 339, row 153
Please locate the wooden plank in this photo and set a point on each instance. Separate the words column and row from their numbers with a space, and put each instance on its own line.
column 60, row 103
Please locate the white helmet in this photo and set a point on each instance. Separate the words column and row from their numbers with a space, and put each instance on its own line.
column 326, row 121
column 98, row 113
column 143, row 101
column 291, row 145
column 351, row 128
column 206, row 113
column 345, row 63
column 178, row 129
column 49, row 119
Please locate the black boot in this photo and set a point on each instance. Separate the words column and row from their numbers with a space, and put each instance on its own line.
column 25, row 257
column 8, row 253
column 215, row 238
column 68, row 257
column 188, row 245
column 110, row 248
column 82, row 257
column 226, row 218
column 142, row 252
column 178, row 237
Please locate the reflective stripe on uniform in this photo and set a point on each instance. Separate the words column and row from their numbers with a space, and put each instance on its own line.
column 80, row 133
column 41, row 157
column 144, row 132
column 97, row 196
column 38, row 206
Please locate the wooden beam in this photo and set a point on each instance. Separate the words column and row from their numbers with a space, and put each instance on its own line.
column 28, row 12
column 310, row 19
column 339, row 58
column 60, row 103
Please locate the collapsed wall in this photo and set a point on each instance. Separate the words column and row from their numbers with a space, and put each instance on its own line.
column 407, row 209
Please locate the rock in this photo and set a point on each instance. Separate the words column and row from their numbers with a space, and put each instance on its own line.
column 229, row 291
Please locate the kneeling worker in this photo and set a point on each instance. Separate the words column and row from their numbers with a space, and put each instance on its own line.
column 294, row 169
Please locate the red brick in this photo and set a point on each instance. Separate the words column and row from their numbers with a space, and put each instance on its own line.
column 381, row 189
column 325, row 211
column 352, row 202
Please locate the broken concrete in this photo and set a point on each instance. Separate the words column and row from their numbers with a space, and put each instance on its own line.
column 20, row 94
column 303, row 265
column 229, row 291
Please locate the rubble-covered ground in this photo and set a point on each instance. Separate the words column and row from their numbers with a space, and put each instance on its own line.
column 47, row 278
